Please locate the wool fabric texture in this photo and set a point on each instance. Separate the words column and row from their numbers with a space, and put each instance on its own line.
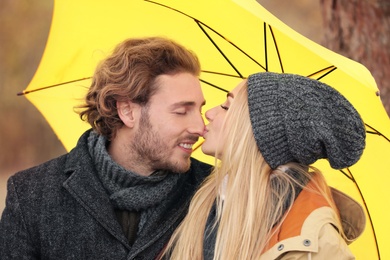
column 298, row 119
column 127, row 190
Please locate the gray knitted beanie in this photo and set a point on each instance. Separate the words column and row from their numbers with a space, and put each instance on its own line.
column 297, row 119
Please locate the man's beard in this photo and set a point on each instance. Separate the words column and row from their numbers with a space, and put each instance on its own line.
column 152, row 150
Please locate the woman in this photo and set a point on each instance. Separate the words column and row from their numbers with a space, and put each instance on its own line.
column 264, row 201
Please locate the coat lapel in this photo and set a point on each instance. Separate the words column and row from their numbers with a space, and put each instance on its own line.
column 87, row 190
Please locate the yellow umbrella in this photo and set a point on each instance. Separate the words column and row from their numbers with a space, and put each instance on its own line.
column 232, row 39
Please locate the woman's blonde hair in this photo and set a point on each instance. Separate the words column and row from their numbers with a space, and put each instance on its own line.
column 251, row 198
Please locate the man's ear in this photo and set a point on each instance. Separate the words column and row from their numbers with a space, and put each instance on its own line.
column 128, row 112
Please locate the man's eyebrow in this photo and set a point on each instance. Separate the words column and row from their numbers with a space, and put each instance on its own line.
column 186, row 104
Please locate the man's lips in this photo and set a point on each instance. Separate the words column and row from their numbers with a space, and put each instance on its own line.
column 186, row 145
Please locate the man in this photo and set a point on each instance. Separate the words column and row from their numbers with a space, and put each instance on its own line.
column 125, row 187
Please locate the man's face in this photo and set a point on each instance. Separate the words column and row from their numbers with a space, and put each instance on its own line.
column 171, row 123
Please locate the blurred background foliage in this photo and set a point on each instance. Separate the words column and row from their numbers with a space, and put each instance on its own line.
column 25, row 137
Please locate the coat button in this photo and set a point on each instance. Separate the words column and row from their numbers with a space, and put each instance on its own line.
column 280, row 247
column 306, row 242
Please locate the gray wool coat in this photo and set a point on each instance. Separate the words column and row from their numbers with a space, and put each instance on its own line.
column 60, row 210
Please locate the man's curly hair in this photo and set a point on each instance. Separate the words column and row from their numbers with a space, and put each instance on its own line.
column 130, row 73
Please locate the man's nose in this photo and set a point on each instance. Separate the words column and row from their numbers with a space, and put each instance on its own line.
column 197, row 125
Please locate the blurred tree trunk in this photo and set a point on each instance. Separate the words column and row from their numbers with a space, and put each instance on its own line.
column 360, row 30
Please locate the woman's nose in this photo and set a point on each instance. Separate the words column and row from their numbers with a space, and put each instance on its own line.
column 210, row 114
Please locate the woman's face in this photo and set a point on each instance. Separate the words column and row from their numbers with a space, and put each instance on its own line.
column 213, row 133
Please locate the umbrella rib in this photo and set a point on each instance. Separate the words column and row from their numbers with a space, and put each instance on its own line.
column 275, row 43
column 25, row 92
column 216, row 46
column 365, row 205
column 213, row 85
column 330, row 68
column 346, row 175
column 234, row 45
column 222, row 74
column 220, row 35
column 376, row 132
column 265, row 45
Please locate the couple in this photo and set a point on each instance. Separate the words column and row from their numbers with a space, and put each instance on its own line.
column 125, row 188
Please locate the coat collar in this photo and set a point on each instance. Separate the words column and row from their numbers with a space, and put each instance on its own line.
column 351, row 213
column 88, row 191
column 310, row 208
column 304, row 205
column 84, row 185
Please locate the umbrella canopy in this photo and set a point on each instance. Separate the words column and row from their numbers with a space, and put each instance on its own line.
column 232, row 40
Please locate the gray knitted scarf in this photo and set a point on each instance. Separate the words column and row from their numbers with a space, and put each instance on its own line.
column 127, row 190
